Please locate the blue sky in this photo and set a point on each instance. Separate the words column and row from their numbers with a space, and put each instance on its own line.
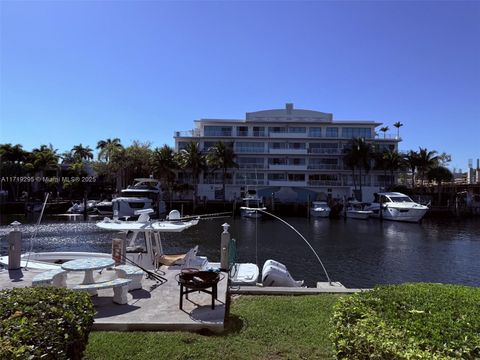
column 77, row 72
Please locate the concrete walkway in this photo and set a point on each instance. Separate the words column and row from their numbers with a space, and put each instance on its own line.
column 154, row 307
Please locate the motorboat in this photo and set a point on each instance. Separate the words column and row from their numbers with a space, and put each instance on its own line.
column 356, row 210
column 396, row 206
column 320, row 209
column 251, row 203
column 79, row 207
column 104, row 207
column 145, row 193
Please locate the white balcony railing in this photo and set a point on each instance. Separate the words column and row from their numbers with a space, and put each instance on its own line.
column 325, row 151
column 288, row 151
column 324, row 183
column 287, row 183
column 324, row 167
column 287, row 167
column 286, row 135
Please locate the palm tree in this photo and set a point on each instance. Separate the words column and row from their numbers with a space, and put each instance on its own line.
column 108, row 148
column 398, row 125
column 384, row 130
column 359, row 156
column 426, row 161
column 221, row 157
column 163, row 166
column 393, row 162
column 412, row 161
column 12, row 163
column 191, row 159
column 81, row 153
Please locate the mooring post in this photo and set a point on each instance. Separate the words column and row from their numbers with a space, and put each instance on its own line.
column 14, row 249
column 224, row 247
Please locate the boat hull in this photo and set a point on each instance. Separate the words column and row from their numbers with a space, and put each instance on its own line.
column 358, row 214
column 404, row 215
column 320, row 214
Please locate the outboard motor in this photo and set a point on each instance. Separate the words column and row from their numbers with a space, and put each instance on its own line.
column 276, row 274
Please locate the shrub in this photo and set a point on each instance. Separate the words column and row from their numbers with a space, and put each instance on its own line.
column 44, row 322
column 409, row 321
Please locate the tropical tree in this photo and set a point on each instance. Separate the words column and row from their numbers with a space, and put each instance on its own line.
column 398, row 125
column 393, row 162
column 440, row 174
column 412, row 161
column 163, row 166
column 221, row 157
column 45, row 158
column 107, row 148
column 384, row 130
column 191, row 159
column 358, row 156
column 12, row 163
column 426, row 161
column 81, row 153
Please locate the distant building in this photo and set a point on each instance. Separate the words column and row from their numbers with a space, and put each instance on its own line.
column 291, row 153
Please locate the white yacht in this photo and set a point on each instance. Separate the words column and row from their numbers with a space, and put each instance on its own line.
column 145, row 193
column 356, row 210
column 396, row 206
column 251, row 203
column 320, row 209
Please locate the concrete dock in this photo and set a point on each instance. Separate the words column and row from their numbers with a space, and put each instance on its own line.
column 154, row 307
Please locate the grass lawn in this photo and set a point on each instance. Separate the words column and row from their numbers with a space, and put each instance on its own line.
column 261, row 327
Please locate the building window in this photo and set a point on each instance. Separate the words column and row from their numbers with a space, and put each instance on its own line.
column 315, row 132
column 258, row 131
column 276, row 177
column 351, row 132
column 217, row 130
column 297, row 146
column 250, row 163
column 182, row 144
column 296, row 177
column 249, row 147
column 242, row 130
column 297, row 130
column 296, row 161
column 277, row 129
column 277, row 145
column 277, row 161
column 331, row 132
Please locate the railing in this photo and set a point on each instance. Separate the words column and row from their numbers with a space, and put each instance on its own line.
column 188, row 133
column 259, row 133
column 217, row 133
column 286, row 183
column 324, row 183
column 286, row 167
column 242, row 133
column 217, row 181
column 251, row 166
column 324, row 167
column 324, row 151
column 249, row 182
column 288, row 151
column 388, row 137
column 250, row 150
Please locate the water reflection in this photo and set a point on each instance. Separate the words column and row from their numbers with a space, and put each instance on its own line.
column 356, row 253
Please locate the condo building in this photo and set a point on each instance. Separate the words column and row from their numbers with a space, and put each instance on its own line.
column 290, row 154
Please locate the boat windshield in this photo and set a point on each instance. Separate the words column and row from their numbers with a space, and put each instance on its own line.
column 400, row 199
column 137, row 243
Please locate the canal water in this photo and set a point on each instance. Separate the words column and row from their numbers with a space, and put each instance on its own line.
column 359, row 254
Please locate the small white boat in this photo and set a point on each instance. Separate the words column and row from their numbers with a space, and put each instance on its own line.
column 78, row 207
column 397, row 207
column 276, row 274
column 355, row 210
column 251, row 203
column 320, row 209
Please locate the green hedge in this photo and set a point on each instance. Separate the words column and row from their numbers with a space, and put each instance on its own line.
column 409, row 321
column 44, row 322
